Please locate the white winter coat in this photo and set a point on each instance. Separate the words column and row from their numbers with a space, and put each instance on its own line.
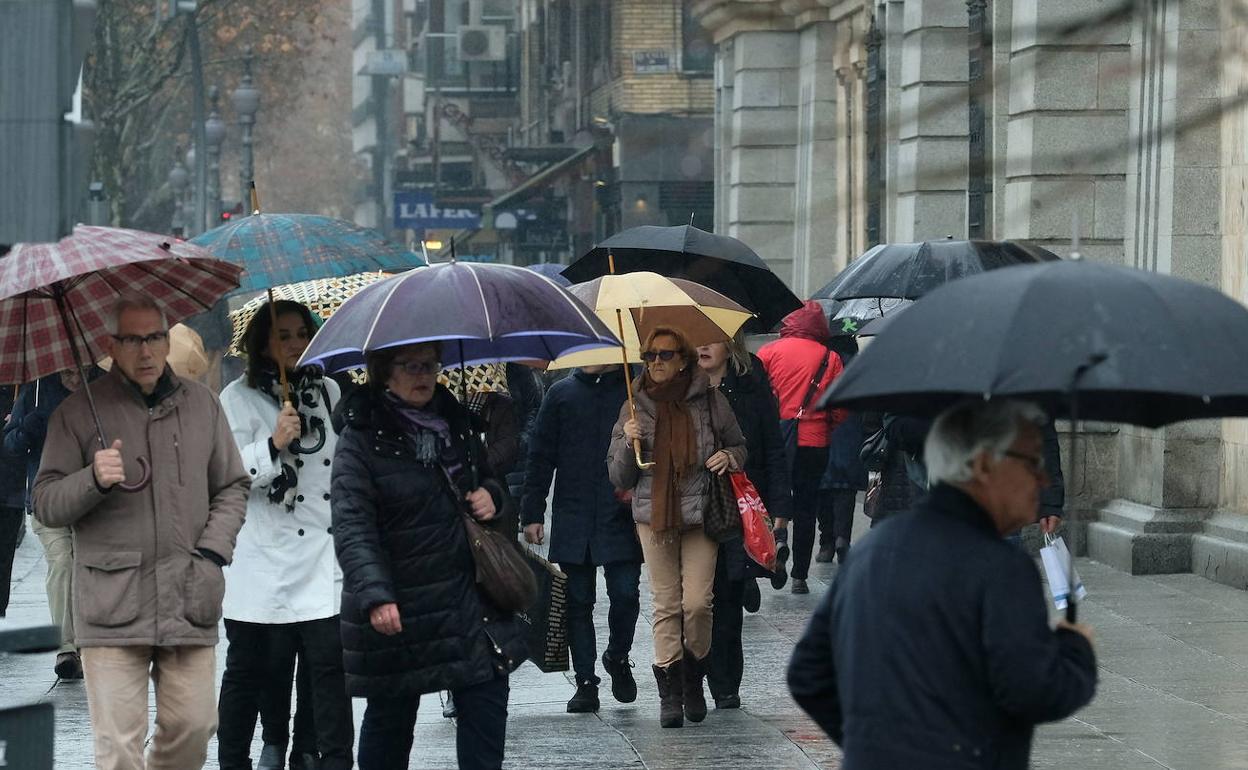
column 284, row 568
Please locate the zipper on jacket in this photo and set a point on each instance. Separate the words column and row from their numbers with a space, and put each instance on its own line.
column 177, row 456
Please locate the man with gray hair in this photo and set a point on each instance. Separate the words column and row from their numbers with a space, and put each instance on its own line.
column 147, row 564
column 933, row 647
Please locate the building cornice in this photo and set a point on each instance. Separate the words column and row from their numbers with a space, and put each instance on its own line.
column 726, row 18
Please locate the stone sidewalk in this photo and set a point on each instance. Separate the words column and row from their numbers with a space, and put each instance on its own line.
column 1174, row 690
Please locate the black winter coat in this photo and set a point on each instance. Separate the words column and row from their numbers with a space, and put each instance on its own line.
column 570, row 438
column 766, row 464
column 947, row 663
column 399, row 537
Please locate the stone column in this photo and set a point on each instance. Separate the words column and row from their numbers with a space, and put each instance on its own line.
column 816, row 163
column 932, row 132
column 1170, row 480
column 889, row 19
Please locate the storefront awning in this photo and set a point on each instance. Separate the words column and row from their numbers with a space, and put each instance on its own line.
column 545, row 176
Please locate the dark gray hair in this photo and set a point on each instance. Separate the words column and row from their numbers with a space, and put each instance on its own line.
column 963, row 431
column 132, row 301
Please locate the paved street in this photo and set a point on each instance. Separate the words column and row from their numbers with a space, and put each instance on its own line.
column 1173, row 692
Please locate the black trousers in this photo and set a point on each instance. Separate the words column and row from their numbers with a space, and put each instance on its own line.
column 727, row 663
column 254, row 651
column 480, row 728
column 808, row 467
column 11, row 522
column 286, row 658
column 624, row 596
column 836, row 516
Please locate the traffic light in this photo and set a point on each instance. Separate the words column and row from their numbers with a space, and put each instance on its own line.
column 44, row 144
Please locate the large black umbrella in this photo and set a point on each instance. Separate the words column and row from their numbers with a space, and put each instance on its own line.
column 910, row 270
column 1147, row 349
column 719, row 262
column 853, row 317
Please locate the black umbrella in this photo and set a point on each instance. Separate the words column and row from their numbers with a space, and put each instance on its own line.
column 853, row 317
column 1148, row 349
column 910, row 270
column 719, row 262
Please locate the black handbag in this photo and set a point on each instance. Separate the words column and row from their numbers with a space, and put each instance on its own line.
column 874, row 452
column 788, row 428
column 721, row 519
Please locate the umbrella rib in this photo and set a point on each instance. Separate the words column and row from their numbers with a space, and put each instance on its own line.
column 489, row 325
column 567, row 297
column 368, row 338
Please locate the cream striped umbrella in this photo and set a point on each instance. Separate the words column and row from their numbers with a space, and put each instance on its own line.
column 323, row 296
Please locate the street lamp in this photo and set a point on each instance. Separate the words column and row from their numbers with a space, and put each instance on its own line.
column 246, row 99
column 214, row 135
column 192, row 192
column 179, row 179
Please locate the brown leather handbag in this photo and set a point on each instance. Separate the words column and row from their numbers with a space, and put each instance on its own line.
column 503, row 575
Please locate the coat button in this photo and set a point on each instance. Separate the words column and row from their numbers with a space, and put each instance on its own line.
column 298, row 463
column 330, row 530
column 301, row 533
column 253, row 471
column 299, row 498
column 325, row 496
column 326, row 462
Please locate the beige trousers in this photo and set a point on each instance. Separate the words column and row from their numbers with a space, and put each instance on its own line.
column 682, row 577
column 58, row 549
column 186, row 705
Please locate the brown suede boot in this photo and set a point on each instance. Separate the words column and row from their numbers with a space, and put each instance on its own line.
column 671, row 702
column 695, row 699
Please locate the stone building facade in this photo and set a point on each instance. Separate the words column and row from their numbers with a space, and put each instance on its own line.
column 1117, row 124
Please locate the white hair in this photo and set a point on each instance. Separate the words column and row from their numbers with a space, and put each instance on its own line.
column 963, row 431
column 131, row 301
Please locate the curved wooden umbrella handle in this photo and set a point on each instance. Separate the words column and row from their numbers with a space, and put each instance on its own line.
column 637, row 453
column 144, row 479
column 296, row 448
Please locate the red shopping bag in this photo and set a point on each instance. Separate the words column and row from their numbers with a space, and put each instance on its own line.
column 760, row 544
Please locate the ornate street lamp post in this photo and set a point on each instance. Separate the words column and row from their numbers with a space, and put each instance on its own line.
column 246, row 99
column 178, row 181
column 214, row 135
column 191, row 206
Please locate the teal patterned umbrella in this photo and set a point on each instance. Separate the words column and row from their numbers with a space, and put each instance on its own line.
column 277, row 249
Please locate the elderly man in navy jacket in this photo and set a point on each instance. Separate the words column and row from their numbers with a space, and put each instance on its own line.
column 933, row 647
column 590, row 526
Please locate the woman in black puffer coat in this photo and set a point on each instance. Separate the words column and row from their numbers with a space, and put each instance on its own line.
column 413, row 621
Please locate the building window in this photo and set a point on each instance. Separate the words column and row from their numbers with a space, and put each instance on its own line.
column 697, row 52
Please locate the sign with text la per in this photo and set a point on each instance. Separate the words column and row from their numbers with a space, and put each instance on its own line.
column 417, row 210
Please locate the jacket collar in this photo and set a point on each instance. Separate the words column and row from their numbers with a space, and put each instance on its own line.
column 948, row 500
column 160, row 399
column 612, row 377
column 698, row 386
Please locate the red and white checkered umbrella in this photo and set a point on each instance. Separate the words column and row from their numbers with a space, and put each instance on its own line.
column 48, row 288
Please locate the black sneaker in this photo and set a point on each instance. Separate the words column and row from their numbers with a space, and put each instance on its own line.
column 728, row 702
column 448, row 709
column 586, row 699
column 68, row 666
column 751, row 597
column 825, row 555
column 800, row 587
column 781, row 574
column 623, row 685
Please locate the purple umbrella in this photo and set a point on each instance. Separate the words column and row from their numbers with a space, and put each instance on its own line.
column 489, row 313
column 553, row 271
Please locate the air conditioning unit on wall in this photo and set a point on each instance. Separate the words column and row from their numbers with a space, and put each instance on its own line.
column 484, row 42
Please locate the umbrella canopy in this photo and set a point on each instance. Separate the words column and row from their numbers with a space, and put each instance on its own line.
column 910, row 270
column 490, row 313
column 719, row 262
column 852, row 317
column 553, row 271
column 279, row 249
column 323, row 296
column 56, row 296
column 1151, row 349
column 647, row 301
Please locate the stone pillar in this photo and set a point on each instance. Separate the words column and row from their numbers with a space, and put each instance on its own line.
column 932, row 131
column 1067, row 121
column 818, row 171
column 1171, row 480
column 889, row 19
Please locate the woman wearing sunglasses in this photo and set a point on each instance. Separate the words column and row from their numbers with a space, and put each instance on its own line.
column 687, row 431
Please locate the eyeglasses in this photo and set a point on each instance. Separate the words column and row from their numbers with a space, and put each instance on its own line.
column 650, row 356
column 415, row 368
column 134, row 342
column 1034, row 463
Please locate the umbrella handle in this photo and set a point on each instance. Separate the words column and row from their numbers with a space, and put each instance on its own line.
column 628, row 382
column 144, row 479
column 296, row 448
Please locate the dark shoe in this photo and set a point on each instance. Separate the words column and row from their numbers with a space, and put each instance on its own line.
column 781, row 574
column 695, row 698
column 68, row 666
column 273, row 757
column 303, row 762
column 623, row 685
column 448, row 708
column 671, row 695
column 842, row 550
column 825, row 555
column 728, row 702
column 800, row 587
column 751, row 597
column 586, row 699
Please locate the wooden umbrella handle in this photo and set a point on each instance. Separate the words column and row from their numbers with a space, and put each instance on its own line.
column 275, row 343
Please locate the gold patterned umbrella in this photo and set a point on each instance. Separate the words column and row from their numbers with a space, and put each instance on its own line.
column 323, row 296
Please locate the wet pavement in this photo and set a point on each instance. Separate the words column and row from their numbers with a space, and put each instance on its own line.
column 1173, row 691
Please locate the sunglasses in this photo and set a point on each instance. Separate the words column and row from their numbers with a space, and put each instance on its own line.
column 415, row 368
column 650, row 356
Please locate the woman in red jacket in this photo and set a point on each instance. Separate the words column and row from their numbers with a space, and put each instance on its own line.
column 801, row 367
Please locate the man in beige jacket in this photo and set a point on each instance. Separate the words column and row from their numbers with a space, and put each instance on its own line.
column 147, row 565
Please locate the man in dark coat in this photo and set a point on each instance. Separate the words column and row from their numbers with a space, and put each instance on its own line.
column 590, row 525
column 12, row 504
column 933, row 649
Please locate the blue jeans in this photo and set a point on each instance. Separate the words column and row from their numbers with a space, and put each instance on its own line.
column 480, row 730
column 623, row 593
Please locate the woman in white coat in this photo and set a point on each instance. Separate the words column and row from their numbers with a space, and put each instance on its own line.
column 284, row 587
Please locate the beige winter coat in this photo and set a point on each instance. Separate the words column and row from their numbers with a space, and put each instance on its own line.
column 622, row 463
column 138, row 579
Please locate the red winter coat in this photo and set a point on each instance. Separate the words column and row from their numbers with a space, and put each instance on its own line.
column 791, row 364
